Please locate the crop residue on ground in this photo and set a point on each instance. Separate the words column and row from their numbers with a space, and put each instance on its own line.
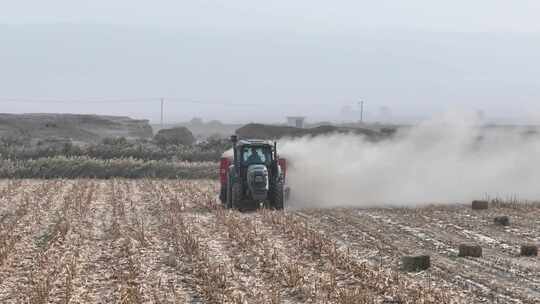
column 169, row 241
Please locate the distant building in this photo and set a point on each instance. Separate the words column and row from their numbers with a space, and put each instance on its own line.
column 296, row 121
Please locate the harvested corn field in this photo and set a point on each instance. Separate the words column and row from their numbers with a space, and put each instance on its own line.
column 154, row 241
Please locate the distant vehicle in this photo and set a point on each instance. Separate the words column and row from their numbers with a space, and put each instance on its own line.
column 253, row 175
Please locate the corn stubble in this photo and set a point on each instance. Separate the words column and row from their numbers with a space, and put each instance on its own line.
column 155, row 241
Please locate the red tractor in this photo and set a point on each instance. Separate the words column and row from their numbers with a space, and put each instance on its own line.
column 253, row 175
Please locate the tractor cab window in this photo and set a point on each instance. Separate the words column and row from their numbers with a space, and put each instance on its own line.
column 255, row 155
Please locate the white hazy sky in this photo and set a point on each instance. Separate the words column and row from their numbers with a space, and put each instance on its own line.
column 416, row 57
column 303, row 15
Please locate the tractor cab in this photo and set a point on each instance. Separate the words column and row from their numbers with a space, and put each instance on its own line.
column 254, row 152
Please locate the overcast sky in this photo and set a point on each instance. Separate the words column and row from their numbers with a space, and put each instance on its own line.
column 241, row 60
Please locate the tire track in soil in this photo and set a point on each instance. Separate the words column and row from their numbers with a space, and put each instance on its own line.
column 256, row 248
column 527, row 213
column 101, row 244
column 129, row 239
column 167, row 202
column 117, row 246
column 407, row 285
column 8, row 192
column 500, row 244
column 32, row 243
column 17, row 216
column 161, row 281
column 490, row 277
column 234, row 238
column 222, row 251
column 377, row 245
column 497, row 258
column 294, row 278
column 522, row 226
column 247, row 282
column 493, row 264
column 294, row 275
column 66, row 252
column 467, row 273
column 323, row 280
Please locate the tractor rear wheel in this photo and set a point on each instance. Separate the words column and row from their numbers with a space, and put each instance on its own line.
column 223, row 195
column 276, row 195
column 236, row 196
column 228, row 195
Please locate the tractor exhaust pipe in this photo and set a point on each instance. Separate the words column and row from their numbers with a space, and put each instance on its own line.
column 234, row 140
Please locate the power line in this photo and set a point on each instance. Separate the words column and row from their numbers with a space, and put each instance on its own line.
column 149, row 100
column 126, row 100
column 78, row 100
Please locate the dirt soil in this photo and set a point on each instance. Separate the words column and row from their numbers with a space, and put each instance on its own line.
column 151, row 241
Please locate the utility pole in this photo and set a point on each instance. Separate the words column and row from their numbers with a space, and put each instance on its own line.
column 361, row 103
column 162, row 104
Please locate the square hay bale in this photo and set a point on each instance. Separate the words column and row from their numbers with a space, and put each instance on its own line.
column 467, row 250
column 169, row 258
column 529, row 250
column 479, row 205
column 415, row 263
column 502, row 220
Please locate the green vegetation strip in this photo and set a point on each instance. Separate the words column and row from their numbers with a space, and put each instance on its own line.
column 84, row 167
column 113, row 148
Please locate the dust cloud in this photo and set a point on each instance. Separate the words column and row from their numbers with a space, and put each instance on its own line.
column 444, row 160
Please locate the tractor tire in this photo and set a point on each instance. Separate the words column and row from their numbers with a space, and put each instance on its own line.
column 277, row 196
column 223, row 195
column 236, row 196
column 287, row 193
column 228, row 195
